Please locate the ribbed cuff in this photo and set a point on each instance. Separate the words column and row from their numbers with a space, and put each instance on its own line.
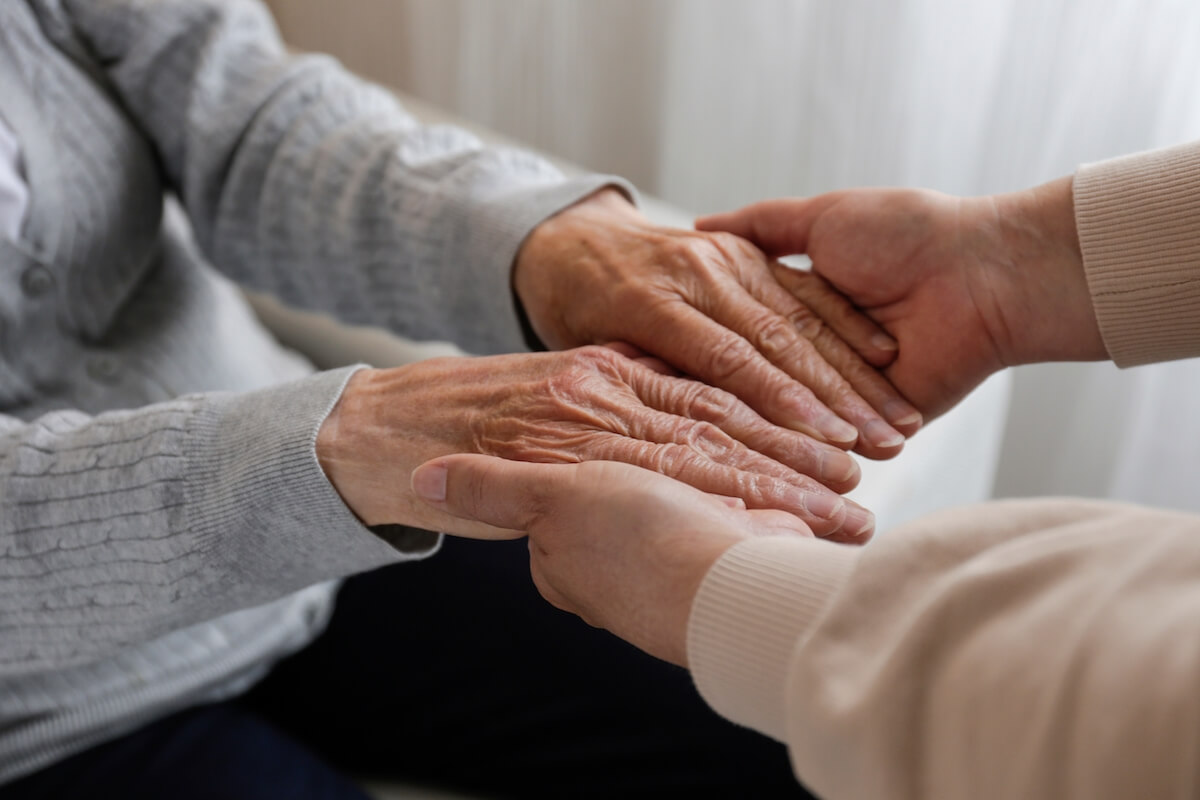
column 499, row 226
column 259, row 501
column 751, row 612
column 1138, row 219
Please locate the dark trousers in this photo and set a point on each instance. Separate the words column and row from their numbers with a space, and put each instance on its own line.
column 450, row 672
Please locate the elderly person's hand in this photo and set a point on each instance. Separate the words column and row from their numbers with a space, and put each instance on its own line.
column 592, row 403
column 967, row 286
column 623, row 548
column 708, row 305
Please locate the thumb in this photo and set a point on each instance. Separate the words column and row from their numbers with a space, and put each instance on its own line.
column 777, row 227
column 502, row 493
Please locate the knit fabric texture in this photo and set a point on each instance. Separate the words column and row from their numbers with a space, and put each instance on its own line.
column 166, row 531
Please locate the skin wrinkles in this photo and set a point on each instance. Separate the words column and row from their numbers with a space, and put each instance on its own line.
column 560, row 407
column 701, row 302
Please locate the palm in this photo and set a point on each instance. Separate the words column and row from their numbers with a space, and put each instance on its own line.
column 902, row 257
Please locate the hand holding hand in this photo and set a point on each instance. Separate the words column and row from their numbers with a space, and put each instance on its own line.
column 591, row 403
column 623, row 548
column 967, row 286
column 708, row 305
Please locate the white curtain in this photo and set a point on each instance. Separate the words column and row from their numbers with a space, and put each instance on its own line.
column 715, row 103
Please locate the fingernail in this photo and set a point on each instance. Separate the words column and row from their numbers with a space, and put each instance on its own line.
column 838, row 467
column 884, row 342
column 836, row 429
column 859, row 522
column 880, row 434
column 899, row 412
column 429, row 483
column 825, row 506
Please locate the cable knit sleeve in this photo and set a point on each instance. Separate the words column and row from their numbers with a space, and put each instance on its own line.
column 1036, row 649
column 1139, row 228
column 124, row 526
column 304, row 181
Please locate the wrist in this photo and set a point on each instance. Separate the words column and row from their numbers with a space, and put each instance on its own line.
column 338, row 442
column 1047, row 306
column 542, row 301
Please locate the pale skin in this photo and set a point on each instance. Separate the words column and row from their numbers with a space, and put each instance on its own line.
column 787, row 381
column 621, row 547
column 966, row 286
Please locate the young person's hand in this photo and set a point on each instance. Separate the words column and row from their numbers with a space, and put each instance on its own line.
column 623, row 548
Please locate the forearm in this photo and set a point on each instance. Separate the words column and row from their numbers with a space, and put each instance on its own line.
column 303, row 181
column 121, row 527
column 996, row 651
column 1105, row 264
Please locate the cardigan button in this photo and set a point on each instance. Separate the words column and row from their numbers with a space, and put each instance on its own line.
column 36, row 281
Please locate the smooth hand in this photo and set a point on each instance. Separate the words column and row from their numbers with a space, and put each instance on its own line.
column 966, row 286
column 591, row 403
column 623, row 548
column 708, row 305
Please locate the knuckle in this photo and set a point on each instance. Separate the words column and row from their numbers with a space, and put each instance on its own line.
column 584, row 373
column 776, row 337
column 765, row 491
column 726, row 360
column 787, row 393
column 806, row 323
column 691, row 247
column 709, row 404
column 709, row 440
column 695, row 255
column 589, row 357
column 754, row 489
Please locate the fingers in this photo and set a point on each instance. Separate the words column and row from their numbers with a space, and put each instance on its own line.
column 701, row 454
column 707, row 438
column 852, row 380
column 501, row 493
column 798, row 344
column 867, row 381
column 851, row 325
column 777, row 227
column 698, row 401
column 710, row 350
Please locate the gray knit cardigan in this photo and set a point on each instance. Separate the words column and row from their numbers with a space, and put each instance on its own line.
column 165, row 530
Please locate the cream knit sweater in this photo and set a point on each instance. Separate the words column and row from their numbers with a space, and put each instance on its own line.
column 1045, row 649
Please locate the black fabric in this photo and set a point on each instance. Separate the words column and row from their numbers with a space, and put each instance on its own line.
column 453, row 672
column 201, row 754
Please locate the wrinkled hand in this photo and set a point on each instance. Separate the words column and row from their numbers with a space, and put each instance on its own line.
column 967, row 286
column 623, row 548
column 586, row 404
column 708, row 305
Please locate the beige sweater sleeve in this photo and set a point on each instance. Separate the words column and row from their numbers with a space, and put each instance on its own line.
column 1139, row 227
column 1032, row 649
column 1036, row 649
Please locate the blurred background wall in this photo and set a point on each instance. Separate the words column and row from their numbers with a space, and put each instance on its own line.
column 714, row 103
